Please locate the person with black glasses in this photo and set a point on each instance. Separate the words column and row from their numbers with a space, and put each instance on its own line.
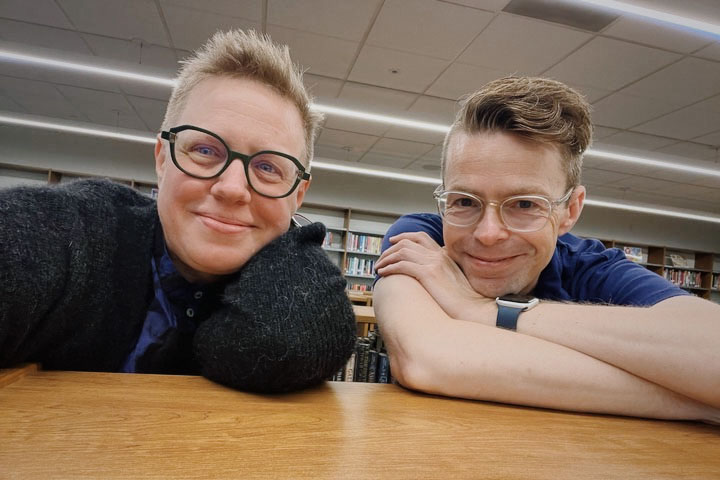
column 217, row 277
column 493, row 299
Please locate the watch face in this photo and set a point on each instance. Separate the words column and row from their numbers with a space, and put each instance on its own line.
column 515, row 297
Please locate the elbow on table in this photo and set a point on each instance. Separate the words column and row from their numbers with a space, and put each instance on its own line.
column 414, row 371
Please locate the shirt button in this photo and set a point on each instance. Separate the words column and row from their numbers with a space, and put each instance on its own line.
column 198, row 295
column 190, row 312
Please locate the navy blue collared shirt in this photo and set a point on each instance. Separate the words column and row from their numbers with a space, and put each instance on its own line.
column 178, row 307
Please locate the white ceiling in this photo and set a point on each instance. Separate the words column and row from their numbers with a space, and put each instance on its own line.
column 655, row 88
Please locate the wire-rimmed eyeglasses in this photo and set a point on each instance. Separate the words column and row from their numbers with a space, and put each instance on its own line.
column 519, row 213
column 203, row 154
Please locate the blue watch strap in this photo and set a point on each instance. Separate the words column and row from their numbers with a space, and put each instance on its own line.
column 507, row 317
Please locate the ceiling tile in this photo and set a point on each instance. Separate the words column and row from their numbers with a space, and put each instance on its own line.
column 414, row 135
column 249, row 9
column 191, row 28
column 709, row 139
column 591, row 94
column 690, row 150
column 44, row 12
column 621, row 110
column 9, row 105
column 655, row 34
column 39, row 98
column 518, row 44
column 435, row 110
column 609, row 64
column 690, row 122
column 318, row 54
column 395, row 69
column 395, row 153
column 128, row 19
column 353, row 125
column 460, row 79
column 374, row 99
column 152, row 112
column 428, row 164
column 105, row 108
column 405, row 24
column 639, row 141
column 348, row 19
column 322, row 88
column 489, row 5
column 597, row 176
column 41, row 36
column 687, row 81
column 133, row 51
column 347, row 146
column 601, row 132
column 711, row 52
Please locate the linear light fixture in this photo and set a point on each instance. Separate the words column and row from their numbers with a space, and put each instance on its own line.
column 340, row 168
column 344, row 112
column 375, row 173
column 656, row 15
column 402, row 122
column 653, row 163
column 96, row 132
column 653, row 211
column 79, row 67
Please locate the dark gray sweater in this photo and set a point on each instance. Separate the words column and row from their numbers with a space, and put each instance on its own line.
column 76, row 282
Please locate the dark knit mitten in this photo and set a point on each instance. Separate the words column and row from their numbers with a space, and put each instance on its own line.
column 285, row 323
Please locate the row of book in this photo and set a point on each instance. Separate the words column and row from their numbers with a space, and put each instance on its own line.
column 684, row 278
column 359, row 266
column 359, row 287
column 332, row 240
column 368, row 363
column 363, row 243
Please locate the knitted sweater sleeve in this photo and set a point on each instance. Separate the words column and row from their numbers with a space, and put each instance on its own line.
column 59, row 270
column 285, row 322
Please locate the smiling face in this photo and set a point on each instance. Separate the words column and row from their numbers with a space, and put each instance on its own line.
column 212, row 227
column 494, row 166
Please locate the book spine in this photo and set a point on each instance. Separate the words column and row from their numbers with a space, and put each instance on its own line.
column 383, row 373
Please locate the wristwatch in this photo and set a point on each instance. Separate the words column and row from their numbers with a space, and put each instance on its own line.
column 510, row 307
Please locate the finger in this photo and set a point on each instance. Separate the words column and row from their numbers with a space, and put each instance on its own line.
column 406, row 251
column 403, row 267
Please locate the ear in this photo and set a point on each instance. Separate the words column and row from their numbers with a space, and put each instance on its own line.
column 161, row 156
column 300, row 192
column 574, row 208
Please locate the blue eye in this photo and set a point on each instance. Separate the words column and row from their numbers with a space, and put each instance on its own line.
column 205, row 150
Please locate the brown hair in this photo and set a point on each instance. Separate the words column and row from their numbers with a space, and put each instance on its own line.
column 246, row 55
column 538, row 109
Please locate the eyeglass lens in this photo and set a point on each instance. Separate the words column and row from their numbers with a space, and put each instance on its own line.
column 202, row 155
column 519, row 213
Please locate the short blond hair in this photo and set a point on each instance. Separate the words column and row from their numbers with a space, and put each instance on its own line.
column 538, row 109
column 241, row 54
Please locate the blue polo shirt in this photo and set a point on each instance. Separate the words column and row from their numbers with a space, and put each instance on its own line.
column 580, row 270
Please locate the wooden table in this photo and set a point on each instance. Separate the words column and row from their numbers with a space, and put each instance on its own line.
column 110, row 425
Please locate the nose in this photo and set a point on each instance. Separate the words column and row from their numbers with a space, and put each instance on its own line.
column 232, row 185
column 490, row 229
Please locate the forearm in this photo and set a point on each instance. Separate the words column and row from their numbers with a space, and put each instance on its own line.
column 437, row 354
column 673, row 344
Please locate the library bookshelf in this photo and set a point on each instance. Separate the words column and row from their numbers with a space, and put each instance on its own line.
column 694, row 271
column 353, row 240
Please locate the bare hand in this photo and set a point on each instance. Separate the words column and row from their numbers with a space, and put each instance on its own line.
column 417, row 255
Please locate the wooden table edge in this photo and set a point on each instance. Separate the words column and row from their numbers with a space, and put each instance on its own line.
column 12, row 375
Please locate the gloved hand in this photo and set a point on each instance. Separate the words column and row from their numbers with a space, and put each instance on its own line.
column 285, row 321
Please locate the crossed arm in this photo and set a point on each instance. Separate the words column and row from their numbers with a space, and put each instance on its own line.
column 661, row 361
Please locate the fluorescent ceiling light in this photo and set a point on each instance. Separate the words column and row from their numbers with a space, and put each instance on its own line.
column 96, row 132
column 653, row 211
column 149, row 139
column 375, row 173
column 656, row 15
column 372, row 117
column 79, row 67
column 653, row 163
